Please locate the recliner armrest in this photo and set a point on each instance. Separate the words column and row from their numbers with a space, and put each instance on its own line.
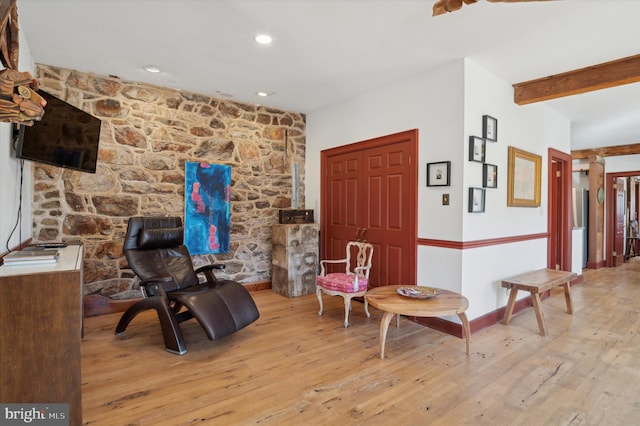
column 206, row 270
column 210, row 266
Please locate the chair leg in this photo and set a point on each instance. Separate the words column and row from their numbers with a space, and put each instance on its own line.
column 126, row 318
column 366, row 307
column 319, row 296
column 171, row 332
column 140, row 306
column 347, row 308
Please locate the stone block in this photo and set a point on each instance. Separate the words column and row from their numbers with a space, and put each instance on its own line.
column 294, row 259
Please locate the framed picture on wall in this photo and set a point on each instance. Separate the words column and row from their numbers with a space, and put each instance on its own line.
column 476, row 149
column 489, row 176
column 523, row 178
column 439, row 174
column 476, row 200
column 489, row 128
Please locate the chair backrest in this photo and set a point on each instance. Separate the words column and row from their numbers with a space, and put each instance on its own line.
column 154, row 247
column 633, row 228
column 362, row 253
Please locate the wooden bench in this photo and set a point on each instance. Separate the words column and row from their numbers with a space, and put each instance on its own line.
column 537, row 282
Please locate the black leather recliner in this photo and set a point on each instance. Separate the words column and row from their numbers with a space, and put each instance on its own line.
column 155, row 251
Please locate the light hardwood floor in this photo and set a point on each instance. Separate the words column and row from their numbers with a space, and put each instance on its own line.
column 292, row 367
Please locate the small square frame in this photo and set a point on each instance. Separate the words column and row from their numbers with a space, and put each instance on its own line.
column 476, row 149
column 476, row 200
column 439, row 174
column 489, row 176
column 490, row 128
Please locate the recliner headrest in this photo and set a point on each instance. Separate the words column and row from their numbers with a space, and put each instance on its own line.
column 160, row 238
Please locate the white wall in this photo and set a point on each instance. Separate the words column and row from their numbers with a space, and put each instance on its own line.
column 446, row 105
column 580, row 179
column 10, row 177
column 533, row 128
column 432, row 103
column 622, row 163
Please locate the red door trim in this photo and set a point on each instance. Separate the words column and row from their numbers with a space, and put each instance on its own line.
column 564, row 161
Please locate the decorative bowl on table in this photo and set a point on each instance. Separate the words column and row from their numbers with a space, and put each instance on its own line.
column 418, row 292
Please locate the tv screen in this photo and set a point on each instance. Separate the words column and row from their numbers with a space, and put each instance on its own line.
column 65, row 137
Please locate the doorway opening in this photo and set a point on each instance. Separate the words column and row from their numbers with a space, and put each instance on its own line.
column 623, row 190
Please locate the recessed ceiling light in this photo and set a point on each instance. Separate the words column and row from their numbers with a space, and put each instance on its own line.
column 265, row 94
column 263, row 39
column 151, row 68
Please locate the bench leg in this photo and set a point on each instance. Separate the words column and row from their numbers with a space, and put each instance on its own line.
column 567, row 297
column 535, row 299
column 510, row 304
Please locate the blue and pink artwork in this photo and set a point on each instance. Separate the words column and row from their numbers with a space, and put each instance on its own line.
column 207, row 211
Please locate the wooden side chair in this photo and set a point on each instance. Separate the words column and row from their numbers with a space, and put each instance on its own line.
column 351, row 283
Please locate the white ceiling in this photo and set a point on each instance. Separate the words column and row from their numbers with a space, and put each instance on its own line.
column 325, row 51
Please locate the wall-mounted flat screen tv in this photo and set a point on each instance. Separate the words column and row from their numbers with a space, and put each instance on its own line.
column 65, row 137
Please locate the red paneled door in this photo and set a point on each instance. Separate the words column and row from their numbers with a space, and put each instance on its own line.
column 369, row 191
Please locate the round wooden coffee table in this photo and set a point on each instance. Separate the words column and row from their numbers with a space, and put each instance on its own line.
column 388, row 300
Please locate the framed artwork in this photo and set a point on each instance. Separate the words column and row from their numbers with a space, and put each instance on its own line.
column 489, row 128
column 439, row 174
column 523, row 176
column 476, row 149
column 489, row 176
column 476, row 200
column 207, row 208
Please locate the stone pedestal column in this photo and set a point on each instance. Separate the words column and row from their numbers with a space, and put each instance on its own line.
column 294, row 259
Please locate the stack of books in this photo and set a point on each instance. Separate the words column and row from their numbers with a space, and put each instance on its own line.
column 31, row 256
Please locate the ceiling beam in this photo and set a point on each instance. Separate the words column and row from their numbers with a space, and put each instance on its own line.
column 596, row 77
column 607, row 151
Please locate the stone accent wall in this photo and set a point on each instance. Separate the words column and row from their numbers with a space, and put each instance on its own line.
column 148, row 133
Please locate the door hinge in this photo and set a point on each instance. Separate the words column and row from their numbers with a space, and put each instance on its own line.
column 558, row 173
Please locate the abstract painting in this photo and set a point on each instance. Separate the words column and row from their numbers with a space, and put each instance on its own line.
column 207, row 214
